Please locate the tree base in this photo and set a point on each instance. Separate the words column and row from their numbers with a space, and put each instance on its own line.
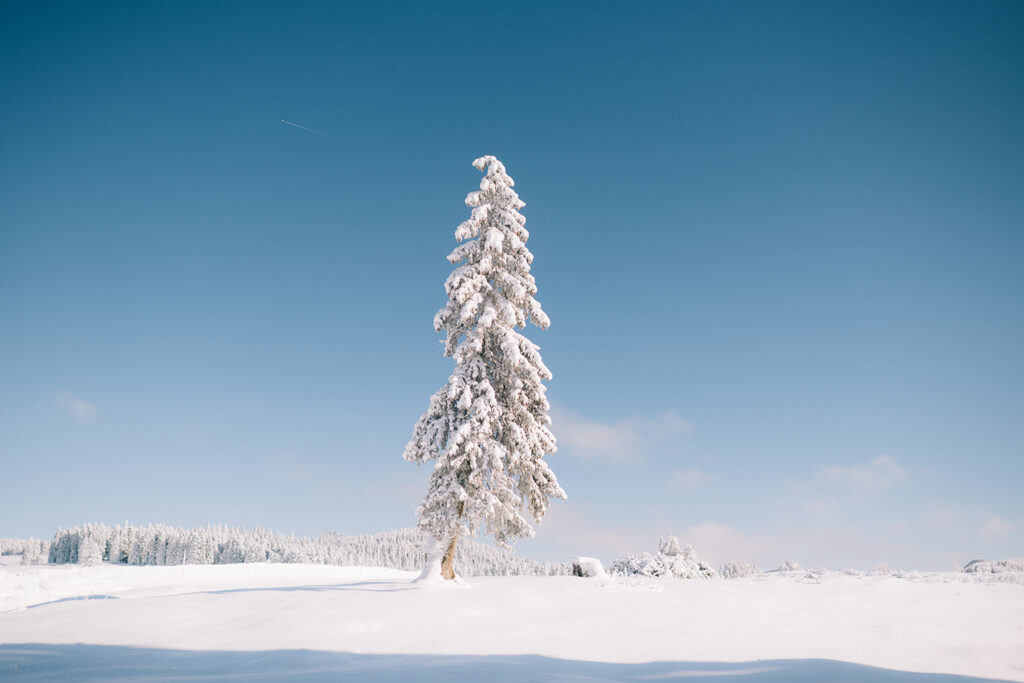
column 440, row 564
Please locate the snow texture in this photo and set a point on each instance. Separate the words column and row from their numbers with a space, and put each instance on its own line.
column 316, row 622
column 487, row 429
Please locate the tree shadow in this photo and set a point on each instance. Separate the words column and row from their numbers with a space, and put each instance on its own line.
column 44, row 662
column 367, row 586
column 68, row 599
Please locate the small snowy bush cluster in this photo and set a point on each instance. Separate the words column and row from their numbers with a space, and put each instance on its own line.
column 157, row 544
column 671, row 560
column 737, row 569
column 1000, row 567
column 789, row 566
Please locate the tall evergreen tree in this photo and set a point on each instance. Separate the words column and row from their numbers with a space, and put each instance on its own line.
column 488, row 426
column 89, row 552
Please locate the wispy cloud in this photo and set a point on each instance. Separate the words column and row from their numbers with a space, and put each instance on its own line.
column 626, row 439
column 820, row 507
column 690, row 479
column 584, row 530
column 717, row 543
column 997, row 527
column 867, row 479
column 289, row 465
column 295, row 125
column 944, row 515
column 77, row 408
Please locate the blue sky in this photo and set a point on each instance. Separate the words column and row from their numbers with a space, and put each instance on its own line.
column 780, row 245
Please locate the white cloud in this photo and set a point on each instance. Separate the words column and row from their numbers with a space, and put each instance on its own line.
column 898, row 526
column 996, row 527
column 943, row 515
column 289, row 465
column 869, row 479
column 575, row 530
column 78, row 409
column 690, row 479
column 627, row 439
column 821, row 507
column 716, row 543
column 567, row 531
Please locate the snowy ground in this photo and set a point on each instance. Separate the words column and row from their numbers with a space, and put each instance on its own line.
column 323, row 623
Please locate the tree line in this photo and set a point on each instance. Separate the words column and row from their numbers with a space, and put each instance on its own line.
column 159, row 544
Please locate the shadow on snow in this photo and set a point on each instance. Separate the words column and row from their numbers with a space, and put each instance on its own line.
column 73, row 598
column 368, row 586
column 38, row 662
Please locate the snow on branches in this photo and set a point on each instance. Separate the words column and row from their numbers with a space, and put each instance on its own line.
column 488, row 428
column 671, row 560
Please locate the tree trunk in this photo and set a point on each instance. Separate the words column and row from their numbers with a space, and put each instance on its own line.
column 448, row 563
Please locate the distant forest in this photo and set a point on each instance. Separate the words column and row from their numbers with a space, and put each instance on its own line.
column 158, row 544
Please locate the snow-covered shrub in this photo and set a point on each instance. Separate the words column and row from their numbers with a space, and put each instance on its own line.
column 588, row 567
column 998, row 567
column 789, row 566
column 737, row 569
column 671, row 560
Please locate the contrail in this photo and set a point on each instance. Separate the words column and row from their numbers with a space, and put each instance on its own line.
column 311, row 130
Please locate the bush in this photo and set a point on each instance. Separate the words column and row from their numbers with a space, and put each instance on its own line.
column 671, row 560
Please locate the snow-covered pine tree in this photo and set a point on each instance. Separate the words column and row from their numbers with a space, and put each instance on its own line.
column 89, row 552
column 488, row 426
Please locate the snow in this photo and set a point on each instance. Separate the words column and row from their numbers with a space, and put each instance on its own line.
column 588, row 567
column 321, row 622
column 1000, row 567
column 671, row 560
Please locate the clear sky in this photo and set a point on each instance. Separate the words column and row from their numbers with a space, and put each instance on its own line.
column 781, row 245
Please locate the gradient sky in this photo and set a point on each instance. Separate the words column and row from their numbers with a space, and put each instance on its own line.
column 781, row 245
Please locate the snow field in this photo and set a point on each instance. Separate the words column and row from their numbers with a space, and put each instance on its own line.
column 926, row 625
